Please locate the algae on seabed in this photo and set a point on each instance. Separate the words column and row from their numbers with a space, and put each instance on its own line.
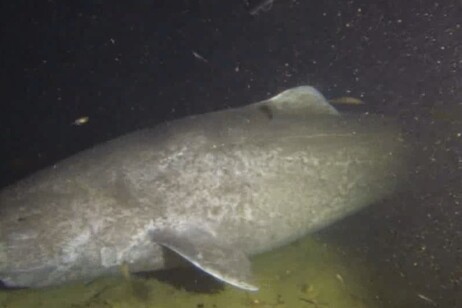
column 307, row 273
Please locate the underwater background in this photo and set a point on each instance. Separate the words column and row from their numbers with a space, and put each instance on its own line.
column 77, row 73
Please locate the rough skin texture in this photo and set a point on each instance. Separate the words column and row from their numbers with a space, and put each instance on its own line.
column 254, row 178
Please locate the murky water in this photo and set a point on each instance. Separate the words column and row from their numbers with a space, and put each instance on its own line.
column 308, row 273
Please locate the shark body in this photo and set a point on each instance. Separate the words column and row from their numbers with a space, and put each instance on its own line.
column 214, row 188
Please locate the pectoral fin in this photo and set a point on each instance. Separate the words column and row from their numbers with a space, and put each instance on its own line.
column 208, row 253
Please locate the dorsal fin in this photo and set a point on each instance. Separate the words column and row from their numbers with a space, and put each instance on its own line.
column 303, row 99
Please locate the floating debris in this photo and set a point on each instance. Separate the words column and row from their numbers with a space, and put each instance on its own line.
column 426, row 298
column 312, row 302
column 199, row 57
column 262, row 6
column 81, row 121
column 340, row 278
column 346, row 100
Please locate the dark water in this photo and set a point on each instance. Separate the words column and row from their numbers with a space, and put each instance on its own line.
column 130, row 65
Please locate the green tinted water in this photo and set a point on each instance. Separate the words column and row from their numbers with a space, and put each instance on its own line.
column 307, row 273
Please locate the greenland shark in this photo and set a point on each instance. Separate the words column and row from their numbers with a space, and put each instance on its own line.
column 214, row 189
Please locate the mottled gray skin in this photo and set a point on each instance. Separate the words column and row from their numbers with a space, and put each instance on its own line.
column 254, row 178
